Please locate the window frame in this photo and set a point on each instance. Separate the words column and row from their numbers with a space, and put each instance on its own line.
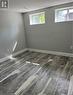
column 34, row 14
column 61, row 9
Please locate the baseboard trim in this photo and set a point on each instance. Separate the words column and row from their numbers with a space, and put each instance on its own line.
column 19, row 52
column 14, row 54
column 51, row 52
column 37, row 50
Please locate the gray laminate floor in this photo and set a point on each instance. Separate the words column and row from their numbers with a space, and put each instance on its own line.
column 33, row 73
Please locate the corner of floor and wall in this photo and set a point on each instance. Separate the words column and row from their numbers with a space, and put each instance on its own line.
column 12, row 33
column 16, row 35
column 51, row 37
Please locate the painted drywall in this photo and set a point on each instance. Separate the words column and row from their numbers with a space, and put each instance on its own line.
column 72, row 37
column 11, row 30
column 49, row 36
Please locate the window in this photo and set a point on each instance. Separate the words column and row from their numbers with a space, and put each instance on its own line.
column 65, row 14
column 37, row 18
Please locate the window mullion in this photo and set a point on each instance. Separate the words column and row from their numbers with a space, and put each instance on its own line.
column 67, row 14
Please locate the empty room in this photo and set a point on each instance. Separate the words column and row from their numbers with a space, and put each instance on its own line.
column 36, row 47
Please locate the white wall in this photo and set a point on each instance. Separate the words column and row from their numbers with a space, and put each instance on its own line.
column 49, row 36
column 11, row 30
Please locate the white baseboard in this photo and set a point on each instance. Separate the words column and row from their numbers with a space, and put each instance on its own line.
column 21, row 51
column 14, row 54
column 37, row 50
column 3, row 59
column 52, row 52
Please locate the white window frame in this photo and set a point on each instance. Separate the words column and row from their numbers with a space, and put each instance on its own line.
column 30, row 16
column 60, row 9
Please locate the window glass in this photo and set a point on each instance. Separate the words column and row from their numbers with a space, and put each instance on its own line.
column 65, row 14
column 38, row 18
column 70, row 14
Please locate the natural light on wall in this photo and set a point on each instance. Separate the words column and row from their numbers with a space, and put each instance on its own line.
column 37, row 18
column 64, row 14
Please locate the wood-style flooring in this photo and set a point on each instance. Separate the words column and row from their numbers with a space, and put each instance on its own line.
column 33, row 73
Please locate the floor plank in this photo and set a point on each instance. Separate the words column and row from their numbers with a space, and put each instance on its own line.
column 33, row 73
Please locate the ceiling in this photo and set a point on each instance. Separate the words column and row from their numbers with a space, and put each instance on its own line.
column 30, row 5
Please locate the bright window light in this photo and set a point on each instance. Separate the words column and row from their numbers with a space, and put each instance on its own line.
column 70, row 10
column 64, row 14
column 37, row 18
